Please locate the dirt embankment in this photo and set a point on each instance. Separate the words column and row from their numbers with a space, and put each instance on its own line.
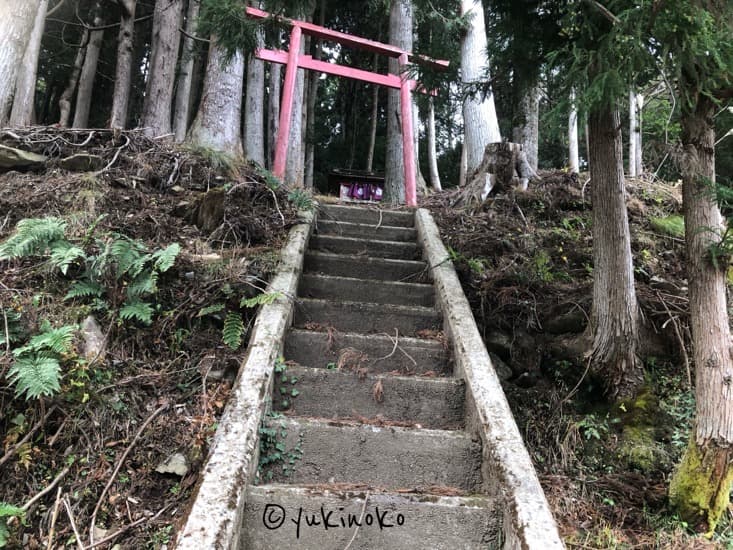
column 123, row 436
column 526, row 263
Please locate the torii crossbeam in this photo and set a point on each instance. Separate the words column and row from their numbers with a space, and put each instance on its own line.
column 294, row 60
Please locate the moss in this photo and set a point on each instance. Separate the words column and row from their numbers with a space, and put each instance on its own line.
column 700, row 488
column 673, row 225
column 640, row 450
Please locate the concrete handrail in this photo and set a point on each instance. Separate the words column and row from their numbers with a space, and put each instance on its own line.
column 214, row 522
column 528, row 521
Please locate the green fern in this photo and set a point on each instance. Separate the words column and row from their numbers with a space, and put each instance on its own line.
column 145, row 283
column 129, row 255
column 84, row 289
column 233, row 330
column 208, row 310
column 165, row 258
column 55, row 340
column 32, row 236
column 260, row 300
column 8, row 511
column 35, row 375
column 63, row 254
column 137, row 309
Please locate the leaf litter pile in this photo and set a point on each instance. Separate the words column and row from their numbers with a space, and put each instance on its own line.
column 131, row 273
column 525, row 262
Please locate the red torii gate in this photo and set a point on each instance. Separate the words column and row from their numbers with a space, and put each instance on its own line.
column 294, row 60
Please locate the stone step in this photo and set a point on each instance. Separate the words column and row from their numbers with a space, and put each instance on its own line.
column 282, row 516
column 374, row 352
column 349, row 289
column 366, row 231
column 383, row 269
column 390, row 457
column 337, row 394
column 367, row 215
column 360, row 247
column 364, row 317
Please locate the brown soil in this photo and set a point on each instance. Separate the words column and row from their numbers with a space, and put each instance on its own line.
column 176, row 371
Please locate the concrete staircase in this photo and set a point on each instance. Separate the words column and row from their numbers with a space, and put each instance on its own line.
column 370, row 451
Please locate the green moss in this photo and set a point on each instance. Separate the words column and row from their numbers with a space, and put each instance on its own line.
column 700, row 488
column 641, row 451
column 673, row 225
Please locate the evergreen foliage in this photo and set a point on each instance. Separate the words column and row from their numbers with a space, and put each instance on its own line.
column 7, row 511
column 233, row 330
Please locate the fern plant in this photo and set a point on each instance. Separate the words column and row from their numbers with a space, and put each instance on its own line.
column 36, row 368
column 234, row 329
column 14, row 327
column 32, row 237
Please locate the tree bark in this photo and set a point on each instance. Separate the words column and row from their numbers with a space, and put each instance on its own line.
column 373, row 128
column 527, row 125
column 635, row 161
column 182, row 109
column 574, row 157
column 481, row 125
column 88, row 74
column 68, row 93
column 400, row 35
column 254, row 106
column 615, row 309
column 25, row 87
column 432, row 150
column 217, row 123
column 156, row 118
column 123, row 75
column 273, row 111
column 700, row 487
column 310, row 128
column 16, row 24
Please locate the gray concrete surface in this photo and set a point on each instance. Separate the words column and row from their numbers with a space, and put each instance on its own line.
column 353, row 316
column 334, row 244
column 430, row 402
column 383, row 269
column 367, row 215
column 389, row 457
column 366, row 231
column 375, row 352
column 283, row 517
column 348, row 289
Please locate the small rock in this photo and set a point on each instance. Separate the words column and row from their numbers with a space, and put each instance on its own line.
column 176, row 464
column 99, row 533
column 177, row 189
column 93, row 337
column 500, row 343
column 573, row 321
column 82, row 162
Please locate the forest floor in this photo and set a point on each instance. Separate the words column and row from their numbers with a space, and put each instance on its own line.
column 107, row 445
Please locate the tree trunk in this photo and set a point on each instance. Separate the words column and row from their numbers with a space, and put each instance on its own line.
column 156, row 118
column 615, row 309
column 25, row 87
column 527, row 125
column 185, row 76
column 700, row 487
column 68, row 93
column 400, row 35
column 123, row 76
column 481, row 125
column 310, row 132
column 254, row 106
column 88, row 74
column 574, row 157
column 373, row 128
column 420, row 184
column 635, row 104
column 432, row 150
column 217, row 123
column 463, row 175
column 273, row 111
column 16, row 25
